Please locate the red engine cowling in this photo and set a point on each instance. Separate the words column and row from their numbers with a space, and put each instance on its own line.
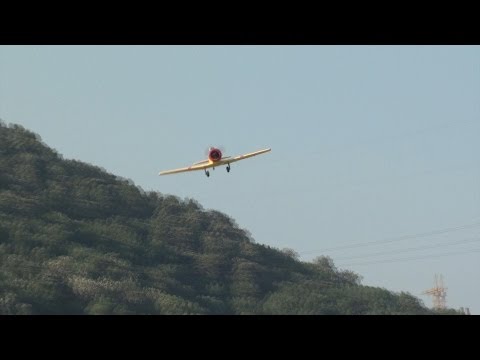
column 214, row 155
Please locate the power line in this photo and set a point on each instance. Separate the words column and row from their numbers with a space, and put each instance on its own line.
column 411, row 249
column 414, row 258
column 399, row 238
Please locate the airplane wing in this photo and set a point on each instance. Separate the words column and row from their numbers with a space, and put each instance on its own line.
column 208, row 161
column 205, row 164
column 241, row 157
column 199, row 166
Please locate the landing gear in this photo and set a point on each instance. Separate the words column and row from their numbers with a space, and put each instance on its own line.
column 228, row 168
column 207, row 173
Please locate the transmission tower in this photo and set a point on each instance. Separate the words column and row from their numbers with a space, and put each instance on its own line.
column 439, row 293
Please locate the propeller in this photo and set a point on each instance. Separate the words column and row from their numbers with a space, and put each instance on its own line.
column 221, row 148
column 207, row 150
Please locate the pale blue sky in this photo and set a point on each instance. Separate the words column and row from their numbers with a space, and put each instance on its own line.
column 368, row 143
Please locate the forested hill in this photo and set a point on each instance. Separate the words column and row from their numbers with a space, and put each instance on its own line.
column 77, row 240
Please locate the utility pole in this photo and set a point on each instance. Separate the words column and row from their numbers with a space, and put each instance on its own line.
column 439, row 293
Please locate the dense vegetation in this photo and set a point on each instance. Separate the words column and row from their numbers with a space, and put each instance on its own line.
column 77, row 240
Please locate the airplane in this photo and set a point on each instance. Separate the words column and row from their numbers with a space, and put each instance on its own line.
column 215, row 159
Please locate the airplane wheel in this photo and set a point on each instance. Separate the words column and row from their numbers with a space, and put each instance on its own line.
column 228, row 169
column 207, row 173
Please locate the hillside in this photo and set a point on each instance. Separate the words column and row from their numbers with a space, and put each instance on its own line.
column 77, row 240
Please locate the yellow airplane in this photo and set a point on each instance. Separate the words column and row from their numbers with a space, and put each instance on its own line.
column 214, row 159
